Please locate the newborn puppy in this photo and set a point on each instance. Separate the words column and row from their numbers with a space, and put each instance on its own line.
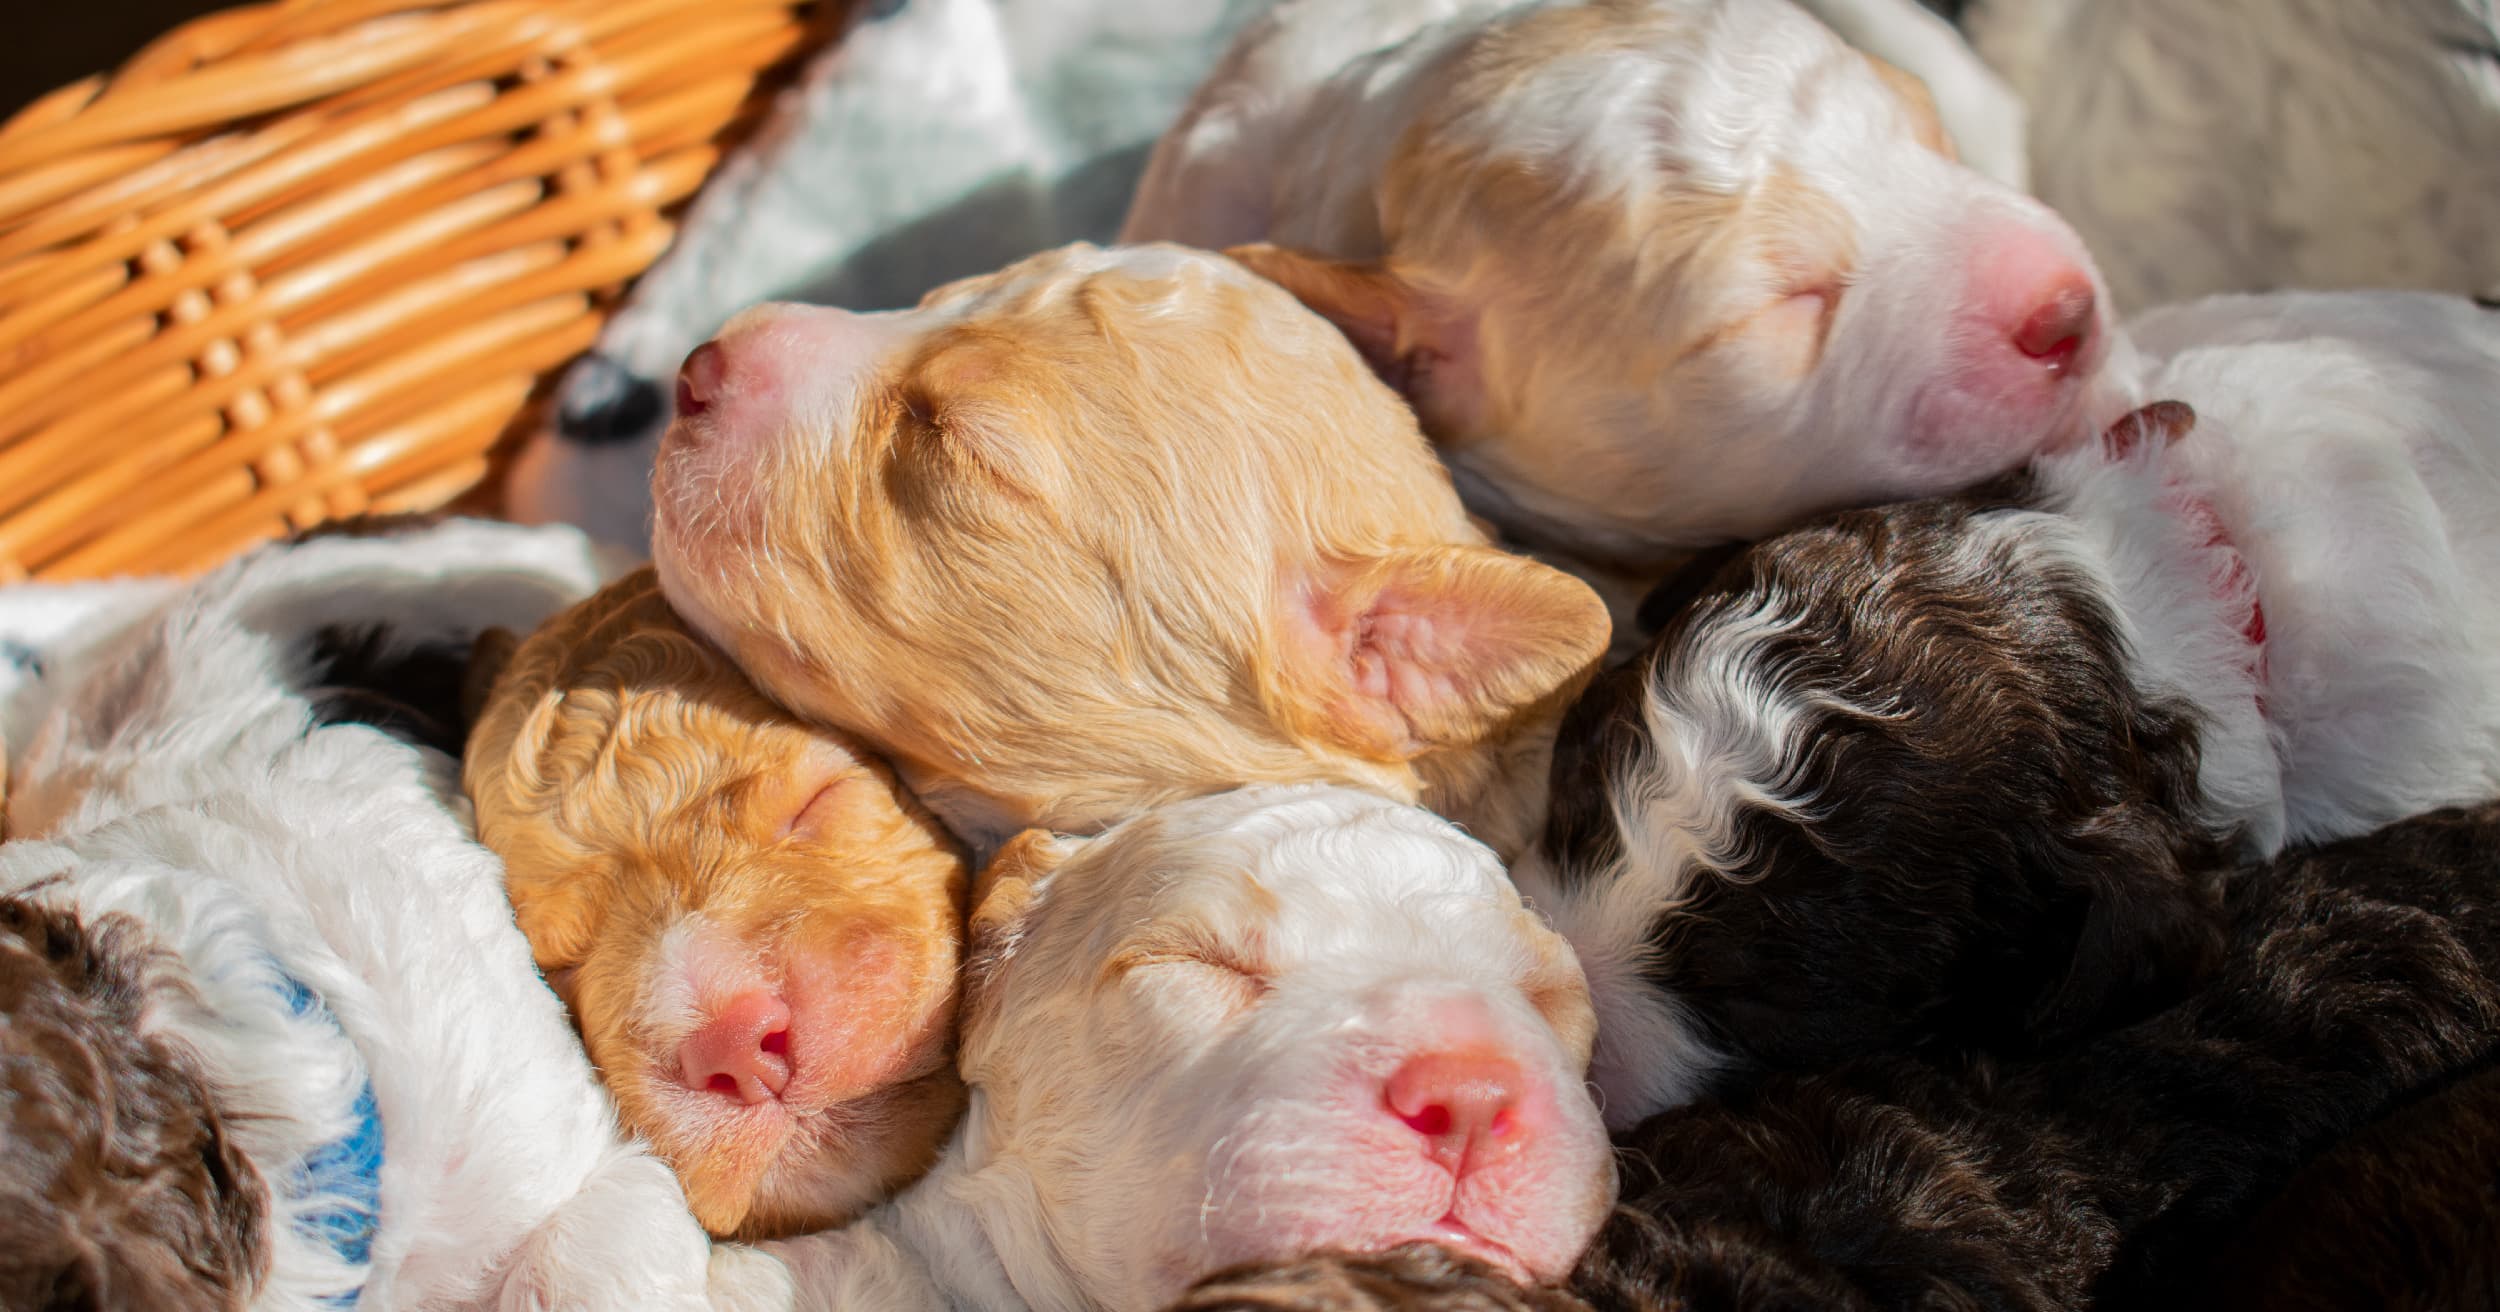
column 1241, row 1028
column 1952, row 771
column 1103, row 529
column 1654, row 274
column 280, row 991
column 755, row 929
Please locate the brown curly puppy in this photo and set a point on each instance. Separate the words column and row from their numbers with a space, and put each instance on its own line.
column 756, row 929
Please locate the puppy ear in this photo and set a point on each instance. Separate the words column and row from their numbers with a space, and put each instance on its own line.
column 559, row 907
column 1433, row 647
column 1422, row 345
column 1000, row 897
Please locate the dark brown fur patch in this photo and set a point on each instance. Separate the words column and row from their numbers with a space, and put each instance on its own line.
column 1996, row 847
column 2403, row 1217
column 2111, row 1173
column 118, row 1186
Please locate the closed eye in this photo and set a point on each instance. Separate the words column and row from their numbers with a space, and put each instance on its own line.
column 1247, row 985
column 1796, row 321
column 1805, row 312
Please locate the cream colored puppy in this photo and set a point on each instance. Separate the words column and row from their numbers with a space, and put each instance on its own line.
column 1654, row 273
column 1104, row 529
column 1242, row 1028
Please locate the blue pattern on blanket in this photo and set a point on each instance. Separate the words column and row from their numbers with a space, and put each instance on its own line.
column 347, row 1170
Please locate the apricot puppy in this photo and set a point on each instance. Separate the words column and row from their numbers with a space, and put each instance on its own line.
column 756, row 929
column 1103, row 529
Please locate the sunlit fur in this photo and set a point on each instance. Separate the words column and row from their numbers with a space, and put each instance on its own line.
column 1111, row 527
column 177, row 770
column 648, row 804
column 1654, row 273
column 1176, row 1036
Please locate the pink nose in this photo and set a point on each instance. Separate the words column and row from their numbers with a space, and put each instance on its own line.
column 2060, row 322
column 698, row 379
column 742, row 1050
column 1465, row 1105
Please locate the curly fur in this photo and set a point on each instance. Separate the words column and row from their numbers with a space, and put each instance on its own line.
column 670, row 836
column 120, row 1183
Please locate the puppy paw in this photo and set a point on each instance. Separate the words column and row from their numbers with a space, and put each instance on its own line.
column 626, row 1240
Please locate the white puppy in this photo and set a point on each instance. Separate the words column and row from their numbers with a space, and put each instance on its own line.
column 1241, row 1028
column 2251, row 145
column 1653, row 273
column 336, row 963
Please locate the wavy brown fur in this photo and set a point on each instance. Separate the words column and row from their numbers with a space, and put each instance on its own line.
column 118, row 1186
column 1996, row 847
column 2108, row 1174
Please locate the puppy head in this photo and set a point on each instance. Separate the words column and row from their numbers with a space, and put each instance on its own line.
column 1885, row 780
column 118, row 1185
column 1104, row 527
column 1262, row 1023
column 1660, row 275
column 754, row 927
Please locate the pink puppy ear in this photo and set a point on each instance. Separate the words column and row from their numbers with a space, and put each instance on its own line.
column 1433, row 648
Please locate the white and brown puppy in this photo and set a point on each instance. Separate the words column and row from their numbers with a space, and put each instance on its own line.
column 289, row 1051
column 1955, row 771
column 1103, row 529
column 1241, row 1028
column 1655, row 274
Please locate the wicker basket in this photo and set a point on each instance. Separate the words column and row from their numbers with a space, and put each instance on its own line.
column 315, row 258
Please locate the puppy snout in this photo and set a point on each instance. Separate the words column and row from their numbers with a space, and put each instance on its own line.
column 774, row 362
column 2035, row 294
column 699, row 379
column 742, row 1050
column 2060, row 324
column 1466, row 1106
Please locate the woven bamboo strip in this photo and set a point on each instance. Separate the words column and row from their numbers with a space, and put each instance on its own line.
column 318, row 257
